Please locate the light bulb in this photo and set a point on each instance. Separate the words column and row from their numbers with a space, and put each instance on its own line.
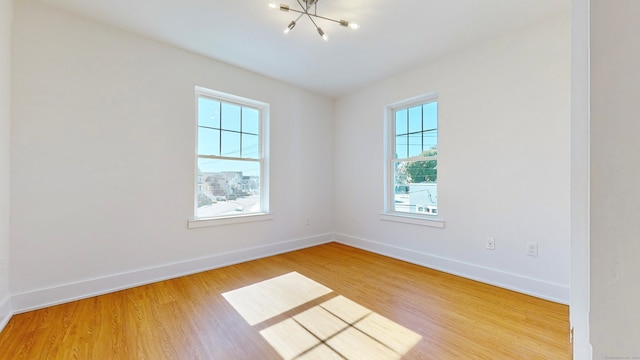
column 273, row 6
column 324, row 36
column 345, row 23
column 291, row 25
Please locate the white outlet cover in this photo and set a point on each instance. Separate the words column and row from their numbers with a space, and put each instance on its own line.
column 490, row 244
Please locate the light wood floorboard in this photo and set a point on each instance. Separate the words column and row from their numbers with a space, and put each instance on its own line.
column 188, row 318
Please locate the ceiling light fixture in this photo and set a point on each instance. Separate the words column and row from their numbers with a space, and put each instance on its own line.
column 306, row 5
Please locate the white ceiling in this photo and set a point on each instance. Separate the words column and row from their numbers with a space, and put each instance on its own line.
column 248, row 34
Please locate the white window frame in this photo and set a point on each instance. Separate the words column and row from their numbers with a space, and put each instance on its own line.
column 388, row 214
column 264, row 110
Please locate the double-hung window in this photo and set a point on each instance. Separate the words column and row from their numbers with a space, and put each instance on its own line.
column 412, row 157
column 232, row 173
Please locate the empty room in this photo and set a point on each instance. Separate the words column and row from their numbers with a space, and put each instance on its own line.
column 318, row 179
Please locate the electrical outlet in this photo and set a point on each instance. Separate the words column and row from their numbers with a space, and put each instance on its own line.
column 490, row 244
column 532, row 249
column 308, row 222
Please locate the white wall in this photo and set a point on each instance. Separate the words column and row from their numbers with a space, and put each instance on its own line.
column 6, row 16
column 103, row 146
column 504, row 166
column 615, row 170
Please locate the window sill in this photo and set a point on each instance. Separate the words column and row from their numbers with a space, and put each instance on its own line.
column 239, row 219
column 415, row 220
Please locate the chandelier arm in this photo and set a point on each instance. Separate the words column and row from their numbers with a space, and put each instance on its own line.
column 299, row 16
column 306, row 8
column 324, row 18
column 306, row 11
column 311, row 18
column 297, row 11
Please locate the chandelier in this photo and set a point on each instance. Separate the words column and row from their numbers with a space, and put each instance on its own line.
column 306, row 6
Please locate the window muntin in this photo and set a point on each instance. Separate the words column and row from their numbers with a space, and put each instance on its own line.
column 412, row 171
column 230, row 155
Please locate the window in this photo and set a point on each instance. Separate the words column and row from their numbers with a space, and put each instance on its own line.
column 232, row 173
column 412, row 157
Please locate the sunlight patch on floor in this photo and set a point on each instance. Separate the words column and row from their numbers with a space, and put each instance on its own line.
column 289, row 338
column 320, row 322
column 262, row 301
column 335, row 329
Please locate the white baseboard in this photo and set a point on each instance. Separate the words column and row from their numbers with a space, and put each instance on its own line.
column 5, row 312
column 41, row 298
column 522, row 284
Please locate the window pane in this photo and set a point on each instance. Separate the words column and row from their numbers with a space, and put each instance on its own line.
column 250, row 146
column 230, row 144
column 250, row 120
column 401, row 121
column 208, row 141
column 230, row 117
column 430, row 139
column 415, row 119
column 430, row 120
column 416, row 189
column 227, row 187
column 415, row 144
column 401, row 146
column 208, row 112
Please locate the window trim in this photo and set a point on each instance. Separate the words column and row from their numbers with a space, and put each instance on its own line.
column 407, row 218
column 228, row 220
column 388, row 213
column 264, row 213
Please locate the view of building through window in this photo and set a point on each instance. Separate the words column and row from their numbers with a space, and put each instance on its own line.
column 229, row 157
column 415, row 159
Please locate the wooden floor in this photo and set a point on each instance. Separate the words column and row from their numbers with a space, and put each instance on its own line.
column 188, row 318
